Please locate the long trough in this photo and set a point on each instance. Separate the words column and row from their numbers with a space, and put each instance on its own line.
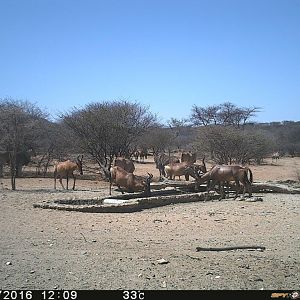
column 133, row 202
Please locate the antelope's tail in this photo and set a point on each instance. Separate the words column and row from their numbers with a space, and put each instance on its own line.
column 251, row 175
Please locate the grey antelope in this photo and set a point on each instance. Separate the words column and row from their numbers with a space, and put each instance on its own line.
column 23, row 158
column 225, row 173
column 4, row 159
column 188, row 157
column 275, row 156
column 65, row 169
column 129, row 181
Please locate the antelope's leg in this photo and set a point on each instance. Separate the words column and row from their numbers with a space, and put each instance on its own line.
column 60, row 180
column 238, row 187
column 74, row 181
column 221, row 183
column 120, row 189
column 67, row 181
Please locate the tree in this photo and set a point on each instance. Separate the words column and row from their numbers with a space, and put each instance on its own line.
column 108, row 129
column 227, row 144
column 226, row 114
column 18, row 129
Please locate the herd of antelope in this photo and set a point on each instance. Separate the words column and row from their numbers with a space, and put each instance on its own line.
column 122, row 174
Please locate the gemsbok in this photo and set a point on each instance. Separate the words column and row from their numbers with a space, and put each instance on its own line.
column 65, row 169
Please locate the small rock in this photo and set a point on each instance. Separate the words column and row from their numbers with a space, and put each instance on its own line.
column 94, row 241
column 51, row 245
column 258, row 279
column 140, row 275
column 164, row 284
column 8, row 263
column 217, row 276
column 83, row 252
column 32, row 271
column 162, row 261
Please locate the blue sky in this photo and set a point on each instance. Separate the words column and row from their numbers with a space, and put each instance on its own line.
column 168, row 55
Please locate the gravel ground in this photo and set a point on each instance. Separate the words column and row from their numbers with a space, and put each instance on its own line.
column 152, row 249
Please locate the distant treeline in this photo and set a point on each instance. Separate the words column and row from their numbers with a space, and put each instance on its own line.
column 104, row 130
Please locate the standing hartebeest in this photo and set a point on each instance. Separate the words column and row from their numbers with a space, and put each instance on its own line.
column 65, row 169
column 226, row 173
column 161, row 160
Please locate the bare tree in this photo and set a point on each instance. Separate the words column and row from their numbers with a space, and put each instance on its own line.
column 19, row 120
column 228, row 144
column 227, row 114
column 108, row 129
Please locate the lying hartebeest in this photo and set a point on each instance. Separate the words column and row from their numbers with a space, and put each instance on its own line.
column 161, row 160
column 65, row 169
column 226, row 173
column 129, row 181
column 125, row 163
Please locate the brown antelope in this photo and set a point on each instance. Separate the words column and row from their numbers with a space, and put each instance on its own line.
column 125, row 163
column 161, row 160
column 199, row 169
column 186, row 168
column 65, row 169
column 129, row 181
column 226, row 173
column 178, row 169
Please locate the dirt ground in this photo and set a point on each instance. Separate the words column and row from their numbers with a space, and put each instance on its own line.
column 50, row 249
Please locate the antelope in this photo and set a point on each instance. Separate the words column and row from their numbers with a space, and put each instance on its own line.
column 4, row 159
column 23, row 158
column 125, row 164
column 186, row 168
column 226, row 173
column 66, row 169
column 275, row 156
column 129, row 181
column 161, row 160
column 199, row 169
column 143, row 154
column 188, row 157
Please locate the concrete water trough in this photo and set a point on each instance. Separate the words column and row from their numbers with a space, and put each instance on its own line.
column 162, row 194
column 125, row 203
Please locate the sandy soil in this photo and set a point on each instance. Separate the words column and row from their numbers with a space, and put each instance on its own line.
column 49, row 249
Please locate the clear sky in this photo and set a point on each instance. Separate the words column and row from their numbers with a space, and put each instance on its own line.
column 166, row 54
